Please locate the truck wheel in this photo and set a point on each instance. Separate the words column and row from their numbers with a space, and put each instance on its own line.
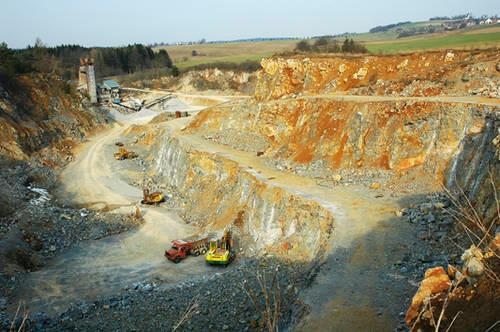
column 177, row 260
column 204, row 251
column 196, row 253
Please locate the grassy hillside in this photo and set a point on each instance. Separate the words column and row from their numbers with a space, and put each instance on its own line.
column 378, row 42
column 455, row 41
column 227, row 52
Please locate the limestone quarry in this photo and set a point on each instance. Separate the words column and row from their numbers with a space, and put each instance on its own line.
column 366, row 186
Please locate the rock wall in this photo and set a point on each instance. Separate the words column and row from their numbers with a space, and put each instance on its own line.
column 221, row 194
column 419, row 74
column 314, row 132
column 42, row 117
column 195, row 81
column 476, row 168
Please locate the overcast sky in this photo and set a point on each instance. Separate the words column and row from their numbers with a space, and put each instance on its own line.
column 120, row 22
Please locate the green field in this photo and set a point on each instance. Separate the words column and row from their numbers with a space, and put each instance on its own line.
column 455, row 41
column 227, row 52
column 381, row 42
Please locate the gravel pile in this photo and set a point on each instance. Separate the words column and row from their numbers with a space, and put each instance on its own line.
column 37, row 229
column 436, row 237
column 218, row 303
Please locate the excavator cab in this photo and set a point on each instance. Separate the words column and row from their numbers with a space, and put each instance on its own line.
column 220, row 251
column 213, row 245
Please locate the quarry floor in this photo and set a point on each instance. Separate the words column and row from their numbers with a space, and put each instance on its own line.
column 356, row 289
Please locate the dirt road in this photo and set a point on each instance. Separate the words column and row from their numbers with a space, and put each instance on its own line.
column 100, row 268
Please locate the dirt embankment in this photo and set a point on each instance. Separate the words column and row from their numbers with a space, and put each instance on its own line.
column 419, row 74
column 43, row 118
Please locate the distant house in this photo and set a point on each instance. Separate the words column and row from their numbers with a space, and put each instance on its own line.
column 109, row 90
column 488, row 21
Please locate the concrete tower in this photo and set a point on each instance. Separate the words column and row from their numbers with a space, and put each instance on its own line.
column 86, row 78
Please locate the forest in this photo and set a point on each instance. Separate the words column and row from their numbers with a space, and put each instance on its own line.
column 64, row 60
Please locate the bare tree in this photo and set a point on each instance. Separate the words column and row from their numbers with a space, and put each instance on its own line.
column 271, row 296
column 190, row 311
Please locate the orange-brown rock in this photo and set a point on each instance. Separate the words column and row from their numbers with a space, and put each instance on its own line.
column 380, row 75
column 222, row 194
column 436, row 281
column 389, row 135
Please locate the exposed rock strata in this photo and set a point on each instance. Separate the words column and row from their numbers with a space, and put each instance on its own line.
column 393, row 135
column 432, row 73
column 221, row 194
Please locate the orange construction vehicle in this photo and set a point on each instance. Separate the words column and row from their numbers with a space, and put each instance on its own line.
column 182, row 248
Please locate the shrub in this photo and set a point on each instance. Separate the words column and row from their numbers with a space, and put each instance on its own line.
column 303, row 46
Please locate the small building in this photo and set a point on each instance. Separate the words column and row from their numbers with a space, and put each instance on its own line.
column 109, row 91
column 488, row 21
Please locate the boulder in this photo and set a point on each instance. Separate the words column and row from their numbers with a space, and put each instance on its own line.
column 436, row 281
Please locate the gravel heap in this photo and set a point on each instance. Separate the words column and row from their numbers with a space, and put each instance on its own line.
column 37, row 228
column 438, row 239
column 219, row 303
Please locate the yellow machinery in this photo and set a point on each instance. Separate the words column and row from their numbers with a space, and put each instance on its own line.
column 220, row 252
column 124, row 154
column 152, row 198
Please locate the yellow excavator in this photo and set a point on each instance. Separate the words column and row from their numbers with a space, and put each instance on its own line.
column 154, row 198
column 124, row 154
column 220, row 251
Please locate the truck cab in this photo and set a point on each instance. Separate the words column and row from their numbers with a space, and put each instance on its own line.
column 178, row 252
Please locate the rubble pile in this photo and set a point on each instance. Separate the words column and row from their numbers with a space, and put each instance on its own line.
column 157, row 305
column 39, row 229
column 465, row 295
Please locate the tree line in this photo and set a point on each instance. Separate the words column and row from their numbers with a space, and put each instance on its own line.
column 330, row 45
column 65, row 59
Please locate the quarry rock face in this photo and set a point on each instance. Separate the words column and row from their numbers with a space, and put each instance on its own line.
column 476, row 168
column 393, row 135
column 42, row 118
column 221, row 195
column 296, row 121
column 206, row 79
column 432, row 74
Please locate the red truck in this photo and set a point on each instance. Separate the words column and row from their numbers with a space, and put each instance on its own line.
column 181, row 248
